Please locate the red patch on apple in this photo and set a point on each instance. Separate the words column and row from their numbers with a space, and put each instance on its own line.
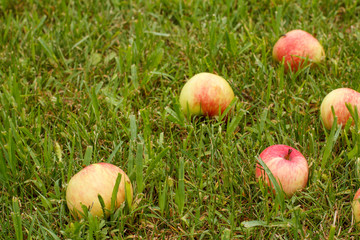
column 208, row 99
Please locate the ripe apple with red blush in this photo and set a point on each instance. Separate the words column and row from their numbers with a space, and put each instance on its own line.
column 93, row 180
column 295, row 47
column 338, row 99
column 205, row 94
column 288, row 166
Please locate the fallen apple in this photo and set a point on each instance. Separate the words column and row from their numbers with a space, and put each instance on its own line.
column 338, row 99
column 356, row 207
column 288, row 166
column 93, row 180
column 205, row 94
column 295, row 47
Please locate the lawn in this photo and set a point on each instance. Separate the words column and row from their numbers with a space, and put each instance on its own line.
column 99, row 81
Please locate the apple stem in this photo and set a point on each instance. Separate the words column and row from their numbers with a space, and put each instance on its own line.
column 287, row 156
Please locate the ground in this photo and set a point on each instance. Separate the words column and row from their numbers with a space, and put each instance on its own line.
column 98, row 81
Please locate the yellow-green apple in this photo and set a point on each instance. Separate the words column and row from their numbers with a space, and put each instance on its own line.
column 295, row 47
column 356, row 207
column 288, row 166
column 93, row 180
column 205, row 94
column 338, row 99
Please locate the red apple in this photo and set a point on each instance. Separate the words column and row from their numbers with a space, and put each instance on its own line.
column 288, row 166
column 93, row 180
column 205, row 94
column 296, row 46
column 337, row 99
column 356, row 207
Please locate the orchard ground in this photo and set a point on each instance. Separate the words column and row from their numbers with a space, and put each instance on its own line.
column 98, row 81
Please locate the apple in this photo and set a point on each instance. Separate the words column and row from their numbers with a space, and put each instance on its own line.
column 93, row 180
column 356, row 207
column 296, row 46
column 288, row 166
column 338, row 99
column 205, row 94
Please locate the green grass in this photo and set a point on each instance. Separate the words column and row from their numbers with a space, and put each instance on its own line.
column 98, row 81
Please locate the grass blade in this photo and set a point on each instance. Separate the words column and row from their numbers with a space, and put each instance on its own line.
column 102, row 204
column 115, row 192
column 163, row 197
column 133, row 127
column 128, row 194
column 180, row 191
column 49, row 52
column 156, row 161
column 234, row 124
column 16, row 217
column 334, row 134
column 279, row 192
column 112, row 155
column 95, row 104
column 88, row 155
column 262, row 122
column 139, row 168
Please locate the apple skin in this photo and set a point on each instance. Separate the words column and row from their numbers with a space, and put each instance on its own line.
column 295, row 46
column 291, row 174
column 204, row 94
column 356, row 207
column 84, row 187
column 337, row 98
